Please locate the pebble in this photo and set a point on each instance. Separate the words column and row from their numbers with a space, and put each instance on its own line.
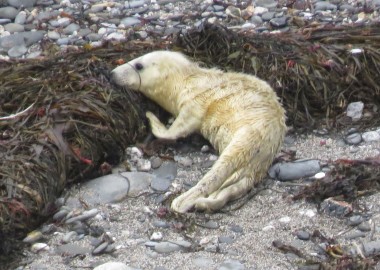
column 353, row 139
column 68, row 237
column 371, row 136
column 294, row 170
column 355, row 110
column 156, row 162
column 364, row 226
column 184, row 161
column 22, row 3
column 8, row 13
column 355, row 220
column 84, row 216
column 39, row 247
column 211, row 224
column 17, row 51
column 101, row 248
column 113, row 266
column 303, row 235
column 166, row 247
column 231, row 265
column 203, row 262
column 226, row 239
column 33, row 236
column 14, row 27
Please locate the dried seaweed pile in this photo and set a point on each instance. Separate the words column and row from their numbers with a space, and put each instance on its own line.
column 316, row 71
column 60, row 122
column 348, row 180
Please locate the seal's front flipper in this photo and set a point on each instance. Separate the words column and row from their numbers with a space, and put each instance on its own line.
column 183, row 125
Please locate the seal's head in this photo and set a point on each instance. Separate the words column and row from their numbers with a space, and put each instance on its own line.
column 145, row 72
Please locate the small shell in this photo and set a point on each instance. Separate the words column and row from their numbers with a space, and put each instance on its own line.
column 38, row 247
column 32, row 237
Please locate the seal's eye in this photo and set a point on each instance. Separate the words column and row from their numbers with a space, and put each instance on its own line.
column 139, row 66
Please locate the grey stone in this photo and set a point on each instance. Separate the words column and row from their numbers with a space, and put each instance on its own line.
column 182, row 243
column 72, row 250
column 106, row 189
column 156, row 162
column 21, row 17
column 279, row 22
column 236, row 228
column 355, row 220
column 21, row 38
column 303, row 235
column 256, row 20
column 226, row 239
column 53, row 35
column 371, row 248
column 324, row 5
column 93, row 37
column 68, row 237
column 217, row 8
column 160, row 224
column 211, row 224
column 167, row 170
column 17, row 51
column 364, row 226
column 294, row 170
column 84, row 216
column 14, row 27
column 63, row 41
column 166, row 247
column 161, row 184
column 84, row 32
column 355, row 110
column 266, row 3
column 22, row 3
column 267, row 16
column 203, row 262
column 354, row 235
column 113, row 266
column 371, row 136
column 346, row 7
column 61, row 22
column 353, row 139
column 71, row 28
column 134, row 4
column 231, row 265
column 130, row 21
column 8, row 13
column 47, row 15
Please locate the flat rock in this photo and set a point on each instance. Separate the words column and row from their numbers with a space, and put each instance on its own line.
column 21, row 38
column 22, row 3
column 72, row 249
column 231, row 265
column 371, row 136
column 130, row 21
column 113, row 266
column 167, row 170
column 8, row 12
column 166, row 247
column 111, row 188
column 14, row 27
column 17, row 51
